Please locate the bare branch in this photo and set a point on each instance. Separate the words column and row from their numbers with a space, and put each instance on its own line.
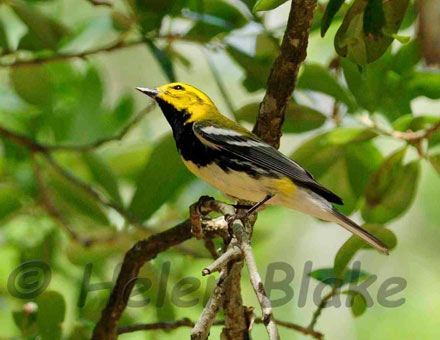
column 257, row 284
column 321, row 306
column 210, row 246
column 96, row 144
column 201, row 328
column 40, row 147
column 135, row 258
column 107, row 3
column 409, row 136
column 188, row 323
column 46, row 150
column 51, row 209
column 231, row 254
column 237, row 324
column 282, row 78
column 166, row 325
column 93, row 192
column 429, row 32
column 118, row 45
column 141, row 252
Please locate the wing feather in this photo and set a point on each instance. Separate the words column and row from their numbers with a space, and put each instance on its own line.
column 250, row 148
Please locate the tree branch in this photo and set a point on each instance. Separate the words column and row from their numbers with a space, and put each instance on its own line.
column 321, row 306
column 257, row 284
column 231, row 254
column 118, row 45
column 282, row 78
column 33, row 145
column 188, row 323
column 201, row 328
column 107, row 3
column 93, row 192
column 134, row 259
column 51, row 209
column 46, row 150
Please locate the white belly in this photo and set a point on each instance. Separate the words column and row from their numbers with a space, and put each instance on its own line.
column 241, row 185
column 232, row 183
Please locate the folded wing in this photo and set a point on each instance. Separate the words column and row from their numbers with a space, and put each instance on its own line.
column 250, row 148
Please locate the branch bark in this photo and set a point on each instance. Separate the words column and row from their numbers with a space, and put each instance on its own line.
column 282, row 78
column 135, row 258
column 169, row 325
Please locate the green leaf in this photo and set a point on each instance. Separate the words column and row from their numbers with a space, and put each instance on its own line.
column 327, row 276
column 33, row 84
column 69, row 196
column 257, row 68
column 367, row 31
column 98, row 31
column 299, row 118
column 332, row 8
column 124, row 108
column 377, row 88
column 374, row 18
column 4, row 41
column 122, row 22
column 425, row 84
column 26, row 322
column 435, row 162
column 403, row 39
column 164, row 60
column 159, row 180
column 213, row 18
column 267, row 5
column 342, row 160
column 266, row 46
column 9, row 200
column 363, row 160
column 322, row 151
column 43, row 32
column 354, row 243
column 151, row 13
column 358, row 303
column 103, row 174
column 93, row 89
column 50, row 315
column 390, row 191
column 220, row 13
column 410, row 15
column 317, row 78
column 408, row 56
column 409, row 122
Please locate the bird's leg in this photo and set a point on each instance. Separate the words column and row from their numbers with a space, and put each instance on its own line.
column 242, row 206
column 241, row 216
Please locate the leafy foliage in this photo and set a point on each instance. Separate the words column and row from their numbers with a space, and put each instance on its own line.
column 71, row 82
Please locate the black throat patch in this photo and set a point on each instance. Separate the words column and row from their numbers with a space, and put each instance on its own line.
column 193, row 150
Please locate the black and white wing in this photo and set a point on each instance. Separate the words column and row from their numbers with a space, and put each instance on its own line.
column 250, row 148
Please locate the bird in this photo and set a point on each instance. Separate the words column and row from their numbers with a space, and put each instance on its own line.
column 241, row 165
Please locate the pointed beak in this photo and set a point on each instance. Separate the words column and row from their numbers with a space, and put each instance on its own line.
column 149, row 92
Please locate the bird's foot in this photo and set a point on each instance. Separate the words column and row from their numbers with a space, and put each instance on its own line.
column 239, row 216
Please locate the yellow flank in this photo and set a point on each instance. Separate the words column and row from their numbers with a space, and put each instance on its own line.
column 284, row 185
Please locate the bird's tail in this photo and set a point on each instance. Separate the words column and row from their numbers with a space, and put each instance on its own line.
column 351, row 226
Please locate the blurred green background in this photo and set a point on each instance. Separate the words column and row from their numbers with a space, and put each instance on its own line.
column 225, row 50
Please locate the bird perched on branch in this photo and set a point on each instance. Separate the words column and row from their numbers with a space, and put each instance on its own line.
column 239, row 164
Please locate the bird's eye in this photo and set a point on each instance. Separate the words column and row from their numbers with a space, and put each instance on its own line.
column 178, row 87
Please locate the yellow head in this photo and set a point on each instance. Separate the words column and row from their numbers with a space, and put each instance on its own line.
column 183, row 98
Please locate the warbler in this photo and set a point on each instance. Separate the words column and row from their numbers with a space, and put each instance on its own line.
column 239, row 164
